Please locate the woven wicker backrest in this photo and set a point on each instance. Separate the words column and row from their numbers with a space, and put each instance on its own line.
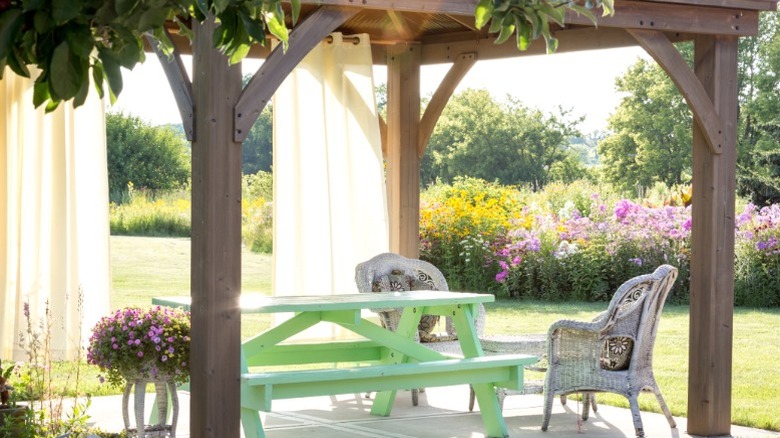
column 635, row 310
column 385, row 264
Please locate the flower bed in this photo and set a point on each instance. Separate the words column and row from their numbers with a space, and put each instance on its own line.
column 574, row 243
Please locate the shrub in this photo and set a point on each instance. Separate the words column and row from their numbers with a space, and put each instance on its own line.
column 145, row 215
column 257, row 212
column 459, row 224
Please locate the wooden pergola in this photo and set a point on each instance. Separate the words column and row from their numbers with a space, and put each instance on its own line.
column 405, row 35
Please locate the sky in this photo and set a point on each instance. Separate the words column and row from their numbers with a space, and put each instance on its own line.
column 582, row 81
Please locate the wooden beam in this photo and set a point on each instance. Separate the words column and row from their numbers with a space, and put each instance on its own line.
column 756, row 5
column 180, row 85
column 712, row 246
column 667, row 56
column 457, row 72
column 464, row 21
column 457, row 7
column 440, row 51
column 669, row 17
column 215, row 275
column 279, row 64
column 383, row 135
column 403, row 162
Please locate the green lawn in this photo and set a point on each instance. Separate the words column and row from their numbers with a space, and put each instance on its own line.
column 144, row 267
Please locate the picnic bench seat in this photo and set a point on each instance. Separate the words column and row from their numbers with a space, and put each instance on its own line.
column 262, row 388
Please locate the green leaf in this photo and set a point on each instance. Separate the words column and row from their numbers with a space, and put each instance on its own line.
column 296, row 10
column 112, row 71
column 552, row 44
column 40, row 92
column 66, row 72
column 81, row 95
column 482, row 13
column 10, row 24
column 203, row 7
column 42, row 22
column 583, row 11
column 506, row 32
column 16, row 64
column 220, row 6
column 97, row 78
column 65, row 10
column 608, row 6
column 523, row 35
column 277, row 27
column 253, row 27
column 152, row 18
column 535, row 21
column 183, row 29
column 52, row 105
column 106, row 13
column 555, row 14
column 239, row 53
column 80, row 40
column 31, row 5
column 124, row 7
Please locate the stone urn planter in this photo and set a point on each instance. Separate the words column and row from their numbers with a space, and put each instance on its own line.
column 165, row 390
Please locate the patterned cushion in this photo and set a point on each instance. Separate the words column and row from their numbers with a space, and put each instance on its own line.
column 616, row 352
column 398, row 281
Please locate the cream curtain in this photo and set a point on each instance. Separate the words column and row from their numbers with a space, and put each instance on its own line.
column 53, row 218
column 330, row 206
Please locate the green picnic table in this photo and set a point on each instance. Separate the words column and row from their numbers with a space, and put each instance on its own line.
column 386, row 361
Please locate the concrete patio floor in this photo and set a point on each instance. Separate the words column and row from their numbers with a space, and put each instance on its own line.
column 442, row 413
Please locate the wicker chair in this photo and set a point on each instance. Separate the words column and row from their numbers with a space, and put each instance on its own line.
column 372, row 276
column 614, row 352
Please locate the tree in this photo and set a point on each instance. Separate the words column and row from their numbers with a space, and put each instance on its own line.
column 481, row 138
column 651, row 131
column 152, row 158
column 759, row 124
column 258, row 148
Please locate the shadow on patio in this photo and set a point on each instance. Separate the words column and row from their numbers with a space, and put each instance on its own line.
column 442, row 413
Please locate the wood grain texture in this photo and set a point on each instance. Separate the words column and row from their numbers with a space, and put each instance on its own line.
column 215, row 273
column 712, row 246
column 402, row 161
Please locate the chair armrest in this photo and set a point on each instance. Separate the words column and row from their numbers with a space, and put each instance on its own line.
column 576, row 341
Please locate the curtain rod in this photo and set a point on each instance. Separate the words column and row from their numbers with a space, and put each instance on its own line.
column 347, row 39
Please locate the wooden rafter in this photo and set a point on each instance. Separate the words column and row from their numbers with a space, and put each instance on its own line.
column 667, row 56
column 279, row 64
column 464, row 21
column 180, row 85
column 400, row 25
column 457, row 72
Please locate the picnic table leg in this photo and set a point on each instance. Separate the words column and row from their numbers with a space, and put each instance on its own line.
column 250, row 416
column 407, row 327
column 489, row 407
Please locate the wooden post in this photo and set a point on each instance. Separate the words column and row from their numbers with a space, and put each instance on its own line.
column 403, row 161
column 712, row 245
column 216, row 244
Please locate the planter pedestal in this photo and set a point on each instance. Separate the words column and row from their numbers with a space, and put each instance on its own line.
column 165, row 389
